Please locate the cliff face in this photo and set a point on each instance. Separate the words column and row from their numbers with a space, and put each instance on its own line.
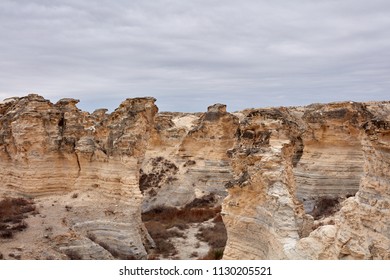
column 55, row 151
column 294, row 183
column 315, row 187
column 187, row 158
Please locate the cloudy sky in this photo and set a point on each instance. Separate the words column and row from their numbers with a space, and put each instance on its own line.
column 193, row 53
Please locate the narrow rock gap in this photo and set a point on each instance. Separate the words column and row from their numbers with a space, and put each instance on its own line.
column 191, row 231
column 298, row 151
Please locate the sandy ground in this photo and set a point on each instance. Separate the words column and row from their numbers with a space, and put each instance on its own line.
column 35, row 242
column 38, row 241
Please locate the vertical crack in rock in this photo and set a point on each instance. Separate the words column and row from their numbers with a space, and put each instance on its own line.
column 298, row 151
column 78, row 164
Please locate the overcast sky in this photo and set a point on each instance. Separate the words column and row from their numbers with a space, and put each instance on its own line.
column 192, row 53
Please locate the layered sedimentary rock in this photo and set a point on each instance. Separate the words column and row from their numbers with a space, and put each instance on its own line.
column 261, row 209
column 294, row 183
column 331, row 162
column 52, row 150
column 312, row 183
column 187, row 158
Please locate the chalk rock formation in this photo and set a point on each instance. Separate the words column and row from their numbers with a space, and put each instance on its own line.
column 187, row 158
column 311, row 183
column 53, row 150
column 294, row 183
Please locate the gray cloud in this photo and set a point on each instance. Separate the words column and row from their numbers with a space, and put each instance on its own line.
column 189, row 54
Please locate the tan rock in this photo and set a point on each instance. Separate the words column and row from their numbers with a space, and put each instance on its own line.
column 294, row 183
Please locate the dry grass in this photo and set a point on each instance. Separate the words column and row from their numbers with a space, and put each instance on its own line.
column 164, row 223
column 216, row 237
column 213, row 254
column 13, row 211
column 325, row 207
column 171, row 217
column 160, row 234
column 202, row 202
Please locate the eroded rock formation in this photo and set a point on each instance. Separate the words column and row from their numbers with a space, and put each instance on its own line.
column 294, row 183
column 55, row 151
column 312, row 183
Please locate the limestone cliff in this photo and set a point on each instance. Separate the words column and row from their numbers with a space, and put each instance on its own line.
column 55, row 151
column 312, row 183
column 187, row 158
column 294, row 183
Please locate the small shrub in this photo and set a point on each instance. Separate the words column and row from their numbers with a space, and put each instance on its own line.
column 213, row 254
column 19, row 226
column 75, row 195
column 13, row 211
column 6, row 234
column 204, row 201
column 215, row 236
column 325, row 207
column 171, row 216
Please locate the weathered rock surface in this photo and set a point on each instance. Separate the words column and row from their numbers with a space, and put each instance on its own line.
column 312, row 183
column 187, row 158
column 52, row 150
column 294, row 183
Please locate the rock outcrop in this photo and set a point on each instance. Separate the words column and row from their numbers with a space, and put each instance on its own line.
column 312, row 183
column 294, row 182
column 55, row 151
column 187, row 158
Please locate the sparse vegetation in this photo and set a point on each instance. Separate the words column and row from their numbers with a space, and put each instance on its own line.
column 206, row 201
column 171, row 217
column 13, row 211
column 213, row 254
column 325, row 207
column 162, row 171
column 164, row 223
column 216, row 237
